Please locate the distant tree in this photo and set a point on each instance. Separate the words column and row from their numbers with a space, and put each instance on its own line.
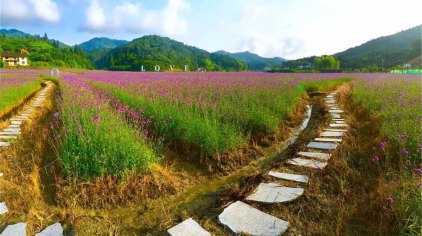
column 209, row 66
column 325, row 63
column 45, row 37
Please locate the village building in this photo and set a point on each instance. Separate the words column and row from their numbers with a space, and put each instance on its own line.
column 15, row 59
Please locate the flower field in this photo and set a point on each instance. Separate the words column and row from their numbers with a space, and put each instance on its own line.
column 15, row 87
column 397, row 101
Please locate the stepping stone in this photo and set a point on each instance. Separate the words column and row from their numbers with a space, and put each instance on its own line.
column 330, row 102
column 4, row 144
column 335, row 111
column 307, row 118
column 1, row 174
column 15, row 122
column 339, row 122
column 274, row 193
column 316, row 155
column 188, row 227
column 18, row 229
column 8, row 137
column 292, row 177
column 308, row 163
column 14, row 126
column 335, row 115
column 3, row 208
column 52, row 230
column 239, row 218
column 336, row 130
column 12, row 130
column 336, row 140
column 331, row 134
column 18, row 119
column 338, row 119
column 10, row 133
column 320, row 145
column 338, row 125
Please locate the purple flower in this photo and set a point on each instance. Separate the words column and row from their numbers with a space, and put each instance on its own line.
column 420, row 184
column 405, row 152
column 419, row 171
column 404, row 136
column 96, row 118
column 390, row 200
column 382, row 144
column 375, row 159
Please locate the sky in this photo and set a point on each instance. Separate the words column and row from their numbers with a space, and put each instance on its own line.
column 272, row 28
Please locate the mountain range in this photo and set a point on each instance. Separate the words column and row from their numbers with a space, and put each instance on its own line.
column 148, row 51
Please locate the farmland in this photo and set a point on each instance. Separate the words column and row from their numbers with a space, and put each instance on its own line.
column 142, row 140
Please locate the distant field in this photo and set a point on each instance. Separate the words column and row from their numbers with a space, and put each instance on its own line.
column 15, row 86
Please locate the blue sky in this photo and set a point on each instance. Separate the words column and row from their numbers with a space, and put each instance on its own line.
column 286, row 28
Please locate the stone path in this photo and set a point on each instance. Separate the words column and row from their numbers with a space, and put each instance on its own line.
column 239, row 217
column 12, row 132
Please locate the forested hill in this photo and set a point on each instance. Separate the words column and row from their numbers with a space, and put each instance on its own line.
column 388, row 51
column 256, row 62
column 152, row 50
column 101, row 43
column 44, row 52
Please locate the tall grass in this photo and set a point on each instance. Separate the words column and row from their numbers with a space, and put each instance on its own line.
column 398, row 103
column 213, row 119
column 322, row 85
column 94, row 140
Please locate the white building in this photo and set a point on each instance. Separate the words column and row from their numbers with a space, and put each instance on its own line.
column 14, row 59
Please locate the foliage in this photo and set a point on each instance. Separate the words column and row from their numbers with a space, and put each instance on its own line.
column 46, row 53
column 327, row 63
column 313, row 86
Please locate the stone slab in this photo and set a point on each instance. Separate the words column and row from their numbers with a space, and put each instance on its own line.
column 4, row 144
column 291, row 177
column 330, row 102
column 335, row 115
column 188, row 227
column 1, row 174
column 331, row 134
column 274, row 193
column 3, row 208
column 335, row 140
column 316, row 155
column 14, row 126
column 308, row 163
column 339, row 122
column 322, row 145
column 12, row 130
column 9, row 133
column 18, row 119
column 8, row 137
column 18, row 229
column 338, row 125
column 239, row 218
column 16, row 122
column 335, row 111
column 52, row 230
column 336, row 130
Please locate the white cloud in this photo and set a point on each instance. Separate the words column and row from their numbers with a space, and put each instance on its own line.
column 32, row 11
column 134, row 18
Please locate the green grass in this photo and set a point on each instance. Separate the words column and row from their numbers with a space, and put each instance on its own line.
column 398, row 103
column 93, row 140
column 11, row 96
column 323, row 85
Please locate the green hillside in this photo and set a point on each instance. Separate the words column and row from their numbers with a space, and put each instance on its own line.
column 254, row 61
column 101, row 43
column 46, row 53
column 387, row 52
column 152, row 50
column 382, row 53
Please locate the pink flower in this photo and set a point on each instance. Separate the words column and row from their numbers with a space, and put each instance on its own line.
column 375, row 159
column 390, row 200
